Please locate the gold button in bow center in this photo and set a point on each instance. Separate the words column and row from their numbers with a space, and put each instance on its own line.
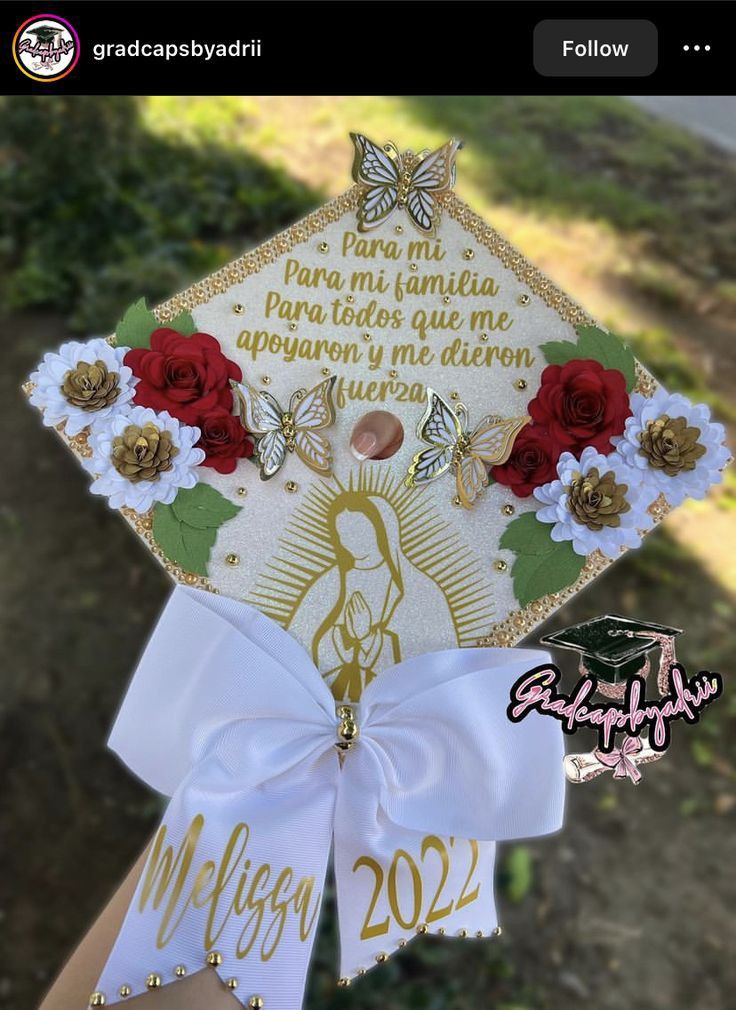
column 347, row 728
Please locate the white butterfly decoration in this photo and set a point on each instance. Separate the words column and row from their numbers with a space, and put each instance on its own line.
column 408, row 180
column 451, row 445
column 280, row 431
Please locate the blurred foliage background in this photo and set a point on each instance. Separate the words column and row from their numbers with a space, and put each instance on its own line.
column 105, row 199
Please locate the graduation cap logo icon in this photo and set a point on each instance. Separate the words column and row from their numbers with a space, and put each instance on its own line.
column 46, row 48
column 615, row 651
column 614, row 648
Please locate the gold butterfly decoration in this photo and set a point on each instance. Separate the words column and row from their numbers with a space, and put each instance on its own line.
column 452, row 446
column 410, row 181
column 280, row 431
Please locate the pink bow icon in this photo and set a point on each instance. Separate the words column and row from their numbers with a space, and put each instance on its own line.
column 620, row 759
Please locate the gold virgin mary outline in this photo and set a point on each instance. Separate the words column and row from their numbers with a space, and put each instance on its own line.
column 356, row 562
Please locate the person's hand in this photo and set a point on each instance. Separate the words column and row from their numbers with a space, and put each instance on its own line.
column 377, row 435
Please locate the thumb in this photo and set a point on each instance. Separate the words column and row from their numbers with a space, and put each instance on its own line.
column 377, row 435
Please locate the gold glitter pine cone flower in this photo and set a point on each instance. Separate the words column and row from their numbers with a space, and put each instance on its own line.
column 143, row 452
column 82, row 385
column 596, row 500
column 91, row 386
column 671, row 445
column 142, row 457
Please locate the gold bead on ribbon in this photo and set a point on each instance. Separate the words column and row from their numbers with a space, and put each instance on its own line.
column 347, row 729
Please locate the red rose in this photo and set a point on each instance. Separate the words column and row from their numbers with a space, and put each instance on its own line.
column 581, row 403
column 187, row 376
column 224, row 440
column 533, row 462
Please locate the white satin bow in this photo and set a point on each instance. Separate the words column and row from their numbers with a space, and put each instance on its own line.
column 228, row 715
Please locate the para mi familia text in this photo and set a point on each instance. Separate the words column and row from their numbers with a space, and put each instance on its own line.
column 376, row 282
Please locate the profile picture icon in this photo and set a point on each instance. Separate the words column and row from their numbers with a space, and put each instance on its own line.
column 46, row 48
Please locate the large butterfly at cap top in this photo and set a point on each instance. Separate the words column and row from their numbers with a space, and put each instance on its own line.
column 451, row 445
column 412, row 181
column 280, row 431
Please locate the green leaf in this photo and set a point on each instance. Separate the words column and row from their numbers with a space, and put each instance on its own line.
column 535, row 575
column 597, row 344
column 526, row 535
column 187, row 529
column 519, row 873
column 185, row 545
column 559, row 352
column 542, row 566
column 203, row 507
column 136, row 326
column 184, row 324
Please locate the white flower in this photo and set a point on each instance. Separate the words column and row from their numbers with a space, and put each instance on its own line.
column 136, row 493
column 69, row 393
column 597, row 512
column 679, row 471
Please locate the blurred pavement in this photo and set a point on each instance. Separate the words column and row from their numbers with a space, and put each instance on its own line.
column 710, row 116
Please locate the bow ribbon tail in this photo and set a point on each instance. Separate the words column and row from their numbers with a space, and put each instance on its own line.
column 233, row 884
column 394, row 883
column 438, row 776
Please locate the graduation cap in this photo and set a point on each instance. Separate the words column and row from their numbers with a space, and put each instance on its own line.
column 605, row 645
column 45, row 33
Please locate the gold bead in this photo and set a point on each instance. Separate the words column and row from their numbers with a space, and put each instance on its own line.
column 256, row 1003
column 326, row 371
column 468, row 254
column 180, row 970
column 524, row 299
column 483, row 337
column 153, row 981
column 413, row 267
column 441, row 931
column 457, row 500
column 521, row 384
column 381, row 958
column 343, row 983
column 479, row 934
column 232, row 559
column 497, row 931
column 291, row 487
column 500, row 565
column 401, row 943
column 399, row 230
column 124, row 991
column 238, row 309
column 361, row 971
column 214, row 959
column 422, row 928
column 366, row 337
column 446, row 299
column 232, row 983
column 393, row 373
column 266, row 380
column 191, row 579
column 97, row 999
column 350, row 299
column 463, row 934
column 292, row 326
column 242, row 491
column 454, row 395
column 508, row 509
column 323, row 247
